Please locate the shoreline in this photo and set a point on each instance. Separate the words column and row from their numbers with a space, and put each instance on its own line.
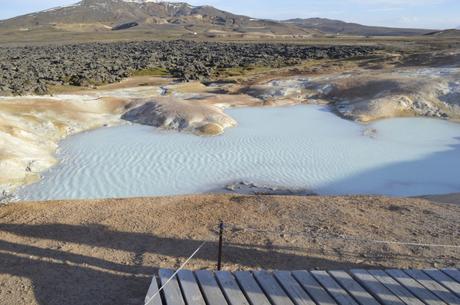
column 440, row 199
column 233, row 185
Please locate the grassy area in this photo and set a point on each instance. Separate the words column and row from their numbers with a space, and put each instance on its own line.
column 60, row 89
column 50, row 35
column 151, row 72
column 242, row 71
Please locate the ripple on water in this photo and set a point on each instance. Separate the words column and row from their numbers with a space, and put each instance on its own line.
column 301, row 147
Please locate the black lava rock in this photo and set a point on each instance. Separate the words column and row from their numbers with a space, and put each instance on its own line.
column 30, row 69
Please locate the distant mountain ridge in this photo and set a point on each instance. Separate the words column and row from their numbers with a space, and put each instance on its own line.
column 445, row 33
column 117, row 11
column 175, row 17
column 331, row 26
column 181, row 18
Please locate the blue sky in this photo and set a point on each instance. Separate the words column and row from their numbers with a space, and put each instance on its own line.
column 436, row 14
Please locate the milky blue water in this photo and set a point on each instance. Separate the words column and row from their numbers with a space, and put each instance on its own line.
column 301, row 147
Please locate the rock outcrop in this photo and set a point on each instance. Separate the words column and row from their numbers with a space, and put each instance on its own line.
column 181, row 115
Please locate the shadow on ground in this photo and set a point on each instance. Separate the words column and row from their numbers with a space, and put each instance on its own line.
column 60, row 277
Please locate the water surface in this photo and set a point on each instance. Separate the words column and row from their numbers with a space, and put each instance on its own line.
column 302, row 147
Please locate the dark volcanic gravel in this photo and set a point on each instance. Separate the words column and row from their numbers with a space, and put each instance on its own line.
column 32, row 69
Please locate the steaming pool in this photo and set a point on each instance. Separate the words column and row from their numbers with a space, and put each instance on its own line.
column 300, row 147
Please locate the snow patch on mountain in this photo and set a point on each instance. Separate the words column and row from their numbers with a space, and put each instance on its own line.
column 147, row 1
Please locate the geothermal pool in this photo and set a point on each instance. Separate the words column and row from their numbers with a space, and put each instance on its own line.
column 301, row 147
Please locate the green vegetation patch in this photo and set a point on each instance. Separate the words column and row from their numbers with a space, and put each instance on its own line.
column 242, row 71
column 156, row 71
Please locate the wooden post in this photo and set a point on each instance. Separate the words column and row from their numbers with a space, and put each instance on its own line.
column 219, row 255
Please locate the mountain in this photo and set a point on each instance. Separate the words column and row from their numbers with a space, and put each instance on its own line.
column 119, row 11
column 105, row 15
column 445, row 33
column 97, row 20
column 330, row 26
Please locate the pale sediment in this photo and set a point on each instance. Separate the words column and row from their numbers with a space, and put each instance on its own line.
column 31, row 127
column 368, row 95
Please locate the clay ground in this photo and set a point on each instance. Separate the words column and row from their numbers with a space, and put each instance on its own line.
column 105, row 252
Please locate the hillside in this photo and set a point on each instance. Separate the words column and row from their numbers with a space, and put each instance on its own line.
column 330, row 26
column 445, row 33
column 119, row 19
column 182, row 18
column 111, row 12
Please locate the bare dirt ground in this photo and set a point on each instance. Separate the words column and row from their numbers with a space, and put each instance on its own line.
column 106, row 251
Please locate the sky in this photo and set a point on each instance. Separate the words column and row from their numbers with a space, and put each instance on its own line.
column 433, row 14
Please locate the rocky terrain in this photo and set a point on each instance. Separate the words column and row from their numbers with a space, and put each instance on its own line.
column 31, row 70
